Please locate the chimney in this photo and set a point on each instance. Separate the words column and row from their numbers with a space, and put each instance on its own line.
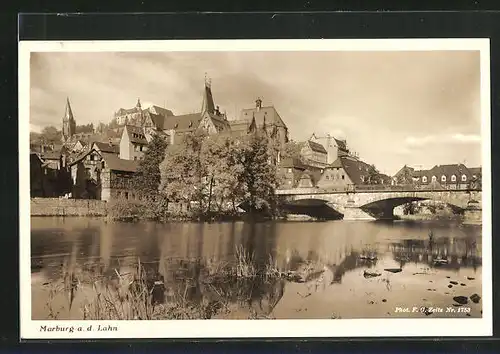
column 217, row 111
column 258, row 104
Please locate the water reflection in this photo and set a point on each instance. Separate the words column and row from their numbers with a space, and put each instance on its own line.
column 182, row 259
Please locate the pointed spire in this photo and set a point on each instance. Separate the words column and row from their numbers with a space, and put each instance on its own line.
column 138, row 105
column 68, row 114
column 253, row 125
column 207, row 104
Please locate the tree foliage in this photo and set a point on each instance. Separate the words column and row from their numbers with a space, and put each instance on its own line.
column 148, row 177
column 86, row 128
column 219, row 172
column 373, row 175
column 292, row 150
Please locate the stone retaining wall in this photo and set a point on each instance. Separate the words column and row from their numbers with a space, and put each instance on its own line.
column 67, row 207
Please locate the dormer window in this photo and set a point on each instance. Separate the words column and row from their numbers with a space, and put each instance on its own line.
column 464, row 178
column 453, row 178
column 443, row 178
column 424, row 179
column 434, row 178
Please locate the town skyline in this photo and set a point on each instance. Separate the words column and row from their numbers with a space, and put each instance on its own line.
column 437, row 91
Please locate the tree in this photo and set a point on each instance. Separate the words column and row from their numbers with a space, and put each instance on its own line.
column 148, row 177
column 292, row 150
column 222, row 163
column 181, row 171
column 259, row 176
column 373, row 175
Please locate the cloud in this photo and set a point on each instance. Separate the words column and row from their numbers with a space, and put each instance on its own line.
column 442, row 139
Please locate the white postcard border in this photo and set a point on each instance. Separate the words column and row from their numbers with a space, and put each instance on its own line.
column 30, row 329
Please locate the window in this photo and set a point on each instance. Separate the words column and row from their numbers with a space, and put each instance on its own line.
column 434, row 178
column 140, row 148
column 289, row 182
column 443, row 178
column 289, row 170
column 464, row 178
column 343, row 177
column 126, row 195
column 91, row 157
column 424, row 179
column 453, row 178
column 103, row 165
column 135, row 158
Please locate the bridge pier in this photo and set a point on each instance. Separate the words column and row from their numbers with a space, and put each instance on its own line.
column 473, row 214
column 352, row 212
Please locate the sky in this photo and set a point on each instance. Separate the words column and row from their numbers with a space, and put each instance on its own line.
column 393, row 108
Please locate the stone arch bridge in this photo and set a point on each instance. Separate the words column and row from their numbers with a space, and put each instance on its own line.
column 372, row 204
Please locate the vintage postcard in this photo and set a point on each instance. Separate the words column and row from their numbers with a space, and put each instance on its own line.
column 255, row 188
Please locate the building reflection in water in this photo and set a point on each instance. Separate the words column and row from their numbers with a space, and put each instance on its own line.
column 181, row 258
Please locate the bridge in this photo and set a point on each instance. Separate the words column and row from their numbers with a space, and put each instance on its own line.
column 374, row 202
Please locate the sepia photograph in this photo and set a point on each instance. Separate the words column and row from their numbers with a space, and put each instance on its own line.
column 266, row 180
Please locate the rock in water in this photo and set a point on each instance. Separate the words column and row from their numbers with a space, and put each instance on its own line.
column 393, row 270
column 368, row 274
column 462, row 300
column 454, row 282
column 475, row 298
column 470, row 278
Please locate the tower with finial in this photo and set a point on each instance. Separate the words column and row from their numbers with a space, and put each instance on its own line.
column 258, row 103
column 138, row 105
column 69, row 123
column 207, row 105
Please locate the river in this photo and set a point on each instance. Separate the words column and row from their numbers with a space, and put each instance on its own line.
column 351, row 258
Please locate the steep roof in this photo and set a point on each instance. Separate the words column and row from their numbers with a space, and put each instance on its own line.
column 313, row 173
column 136, row 134
column 341, row 144
column 475, row 170
column 182, row 122
column 355, row 169
column 448, row 170
column 207, row 104
column 269, row 114
column 160, row 110
column 106, row 147
column 290, row 162
column 68, row 114
column 316, row 147
column 114, row 163
column 405, row 169
column 51, row 155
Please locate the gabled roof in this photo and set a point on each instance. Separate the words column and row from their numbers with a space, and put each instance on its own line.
column 136, row 134
column 182, row 122
column 269, row 113
column 475, row 170
column 220, row 123
column 355, row 169
column 106, row 147
column 113, row 162
column 313, row 174
column 316, row 147
column 51, row 155
column 290, row 162
column 448, row 170
column 160, row 110
column 341, row 144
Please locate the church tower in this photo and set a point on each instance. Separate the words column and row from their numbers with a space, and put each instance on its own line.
column 69, row 123
column 208, row 104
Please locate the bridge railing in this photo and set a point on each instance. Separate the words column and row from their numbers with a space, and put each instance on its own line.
column 371, row 188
